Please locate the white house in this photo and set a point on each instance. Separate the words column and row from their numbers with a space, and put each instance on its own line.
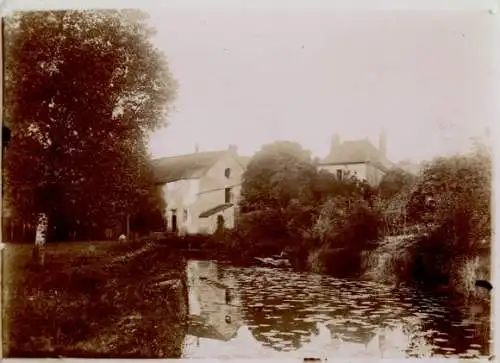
column 201, row 190
column 357, row 157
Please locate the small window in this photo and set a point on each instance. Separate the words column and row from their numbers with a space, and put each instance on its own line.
column 339, row 174
column 227, row 195
column 185, row 215
column 227, row 172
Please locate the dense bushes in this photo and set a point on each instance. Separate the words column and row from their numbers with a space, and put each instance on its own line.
column 453, row 198
column 343, row 229
column 329, row 225
column 287, row 205
column 448, row 210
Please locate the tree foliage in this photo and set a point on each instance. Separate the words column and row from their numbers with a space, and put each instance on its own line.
column 276, row 175
column 285, row 202
column 83, row 90
column 450, row 186
column 277, row 194
column 395, row 181
column 453, row 197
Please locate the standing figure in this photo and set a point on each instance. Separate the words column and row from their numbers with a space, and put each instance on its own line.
column 40, row 239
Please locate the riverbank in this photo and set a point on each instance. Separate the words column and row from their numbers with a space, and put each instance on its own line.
column 106, row 299
column 402, row 259
column 393, row 260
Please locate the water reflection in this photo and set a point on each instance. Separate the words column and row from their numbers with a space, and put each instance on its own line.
column 213, row 300
column 260, row 312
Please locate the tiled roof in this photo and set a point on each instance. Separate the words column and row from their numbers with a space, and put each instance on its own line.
column 353, row 151
column 216, row 209
column 357, row 151
column 190, row 166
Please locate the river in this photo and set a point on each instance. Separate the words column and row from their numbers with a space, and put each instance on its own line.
column 273, row 313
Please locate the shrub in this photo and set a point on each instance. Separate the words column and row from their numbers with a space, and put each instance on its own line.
column 452, row 198
column 343, row 229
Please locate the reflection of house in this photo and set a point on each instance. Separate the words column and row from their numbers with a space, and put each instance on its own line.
column 359, row 158
column 214, row 302
column 200, row 189
column 353, row 333
column 393, row 342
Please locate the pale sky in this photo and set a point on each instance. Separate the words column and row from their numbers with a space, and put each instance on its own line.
column 255, row 76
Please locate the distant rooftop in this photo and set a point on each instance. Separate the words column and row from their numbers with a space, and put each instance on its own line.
column 353, row 151
column 357, row 151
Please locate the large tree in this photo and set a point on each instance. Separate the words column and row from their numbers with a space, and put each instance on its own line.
column 276, row 175
column 277, row 195
column 83, row 90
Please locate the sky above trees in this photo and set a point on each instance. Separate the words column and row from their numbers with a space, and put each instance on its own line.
column 251, row 77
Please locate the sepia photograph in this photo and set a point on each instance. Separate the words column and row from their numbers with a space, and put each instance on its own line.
column 262, row 182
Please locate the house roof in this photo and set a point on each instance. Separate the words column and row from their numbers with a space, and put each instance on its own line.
column 353, row 151
column 357, row 151
column 190, row 166
column 215, row 210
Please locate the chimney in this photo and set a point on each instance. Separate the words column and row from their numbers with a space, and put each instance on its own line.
column 382, row 144
column 233, row 148
column 335, row 143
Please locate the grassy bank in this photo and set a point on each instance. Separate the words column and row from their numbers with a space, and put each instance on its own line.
column 94, row 300
column 421, row 261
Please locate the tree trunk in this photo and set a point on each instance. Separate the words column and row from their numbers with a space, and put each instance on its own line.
column 127, row 227
column 40, row 238
column 12, row 225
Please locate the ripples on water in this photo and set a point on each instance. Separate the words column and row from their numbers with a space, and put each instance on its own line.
column 276, row 313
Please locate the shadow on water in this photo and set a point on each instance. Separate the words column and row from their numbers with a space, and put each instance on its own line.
column 261, row 312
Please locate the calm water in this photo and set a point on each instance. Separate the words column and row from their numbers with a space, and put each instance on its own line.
column 270, row 313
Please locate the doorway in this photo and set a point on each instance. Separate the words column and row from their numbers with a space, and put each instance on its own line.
column 174, row 220
column 220, row 224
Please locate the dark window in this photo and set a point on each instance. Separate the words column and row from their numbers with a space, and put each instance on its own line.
column 339, row 174
column 174, row 220
column 227, row 195
column 227, row 172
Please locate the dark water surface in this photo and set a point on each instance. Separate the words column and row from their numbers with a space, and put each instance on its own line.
column 271, row 313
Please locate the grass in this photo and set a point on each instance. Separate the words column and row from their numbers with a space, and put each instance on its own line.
column 419, row 260
column 97, row 300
